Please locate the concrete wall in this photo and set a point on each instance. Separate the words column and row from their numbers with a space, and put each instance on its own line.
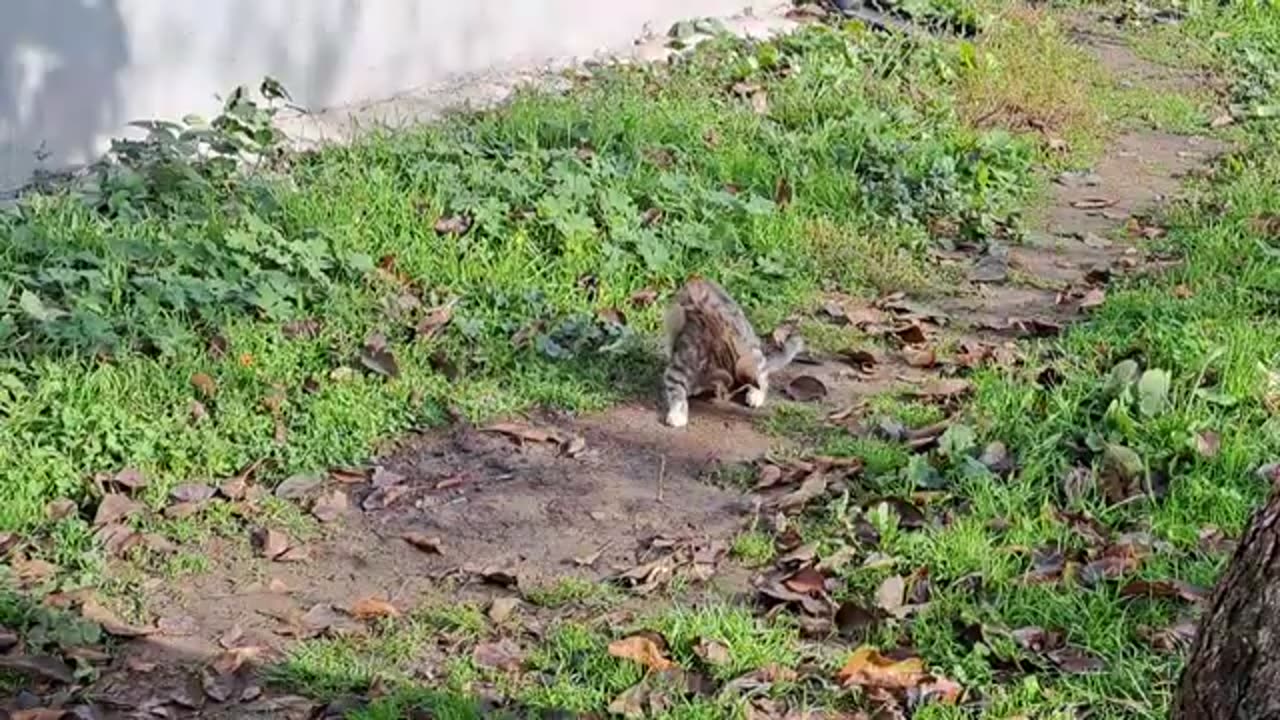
column 74, row 72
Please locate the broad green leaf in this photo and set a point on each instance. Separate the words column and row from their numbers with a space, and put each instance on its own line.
column 1127, row 463
column 1124, row 373
column 957, row 441
column 35, row 308
column 1153, row 392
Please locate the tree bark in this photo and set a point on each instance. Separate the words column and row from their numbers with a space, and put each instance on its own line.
column 1233, row 672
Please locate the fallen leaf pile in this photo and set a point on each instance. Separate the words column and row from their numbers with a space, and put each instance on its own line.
column 789, row 486
column 894, row 317
column 666, row 682
column 571, row 445
column 664, row 559
column 896, row 683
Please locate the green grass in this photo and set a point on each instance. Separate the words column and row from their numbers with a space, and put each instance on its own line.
column 572, row 591
column 879, row 140
column 753, row 549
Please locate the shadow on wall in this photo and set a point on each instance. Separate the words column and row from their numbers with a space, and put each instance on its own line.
column 60, row 62
column 74, row 72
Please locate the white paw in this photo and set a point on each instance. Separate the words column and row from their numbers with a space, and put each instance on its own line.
column 678, row 417
column 755, row 397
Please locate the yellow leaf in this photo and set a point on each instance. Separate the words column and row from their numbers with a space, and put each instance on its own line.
column 868, row 668
column 640, row 649
column 371, row 608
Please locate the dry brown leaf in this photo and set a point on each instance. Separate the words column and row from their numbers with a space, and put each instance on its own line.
column 503, row 655
column 348, row 476
column 230, row 661
column 920, row 357
column 58, row 509
column 806, row 388
column 630, row 704
column 43, row 666
column 816, row 605
column 1092, row 203
column 574, row 446
column 768, row 476
column 643, row 297
column 115, row 507
column 1208, row 443
column 806, row 580
column 524, row 433
column 29, row 572
column 191, row 492
column 867, row 668
column 943, row 389
column 330, row 506
column 295, row 554
column 891, row 594
column 177, row 511
column 813, row 487
column 452, row 225
column 1165, row 589
column 270, row 544
column 712, row 653
column 1093, row 297
column 95, row 612
column 435, row 319
column 641, row 649
column 372, row 608
column 298, row 487
column 502, row 608
column 129, row 478
column 204, row 385
column 431, row 544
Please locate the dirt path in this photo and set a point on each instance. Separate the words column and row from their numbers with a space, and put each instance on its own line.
column 608, row 493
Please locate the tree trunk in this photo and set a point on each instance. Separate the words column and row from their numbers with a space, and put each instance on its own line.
column 1233, row 672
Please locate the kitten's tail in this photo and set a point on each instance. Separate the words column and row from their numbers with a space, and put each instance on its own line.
column 790, row 349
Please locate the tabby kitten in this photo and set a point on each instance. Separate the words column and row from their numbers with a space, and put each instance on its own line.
column 711, row 347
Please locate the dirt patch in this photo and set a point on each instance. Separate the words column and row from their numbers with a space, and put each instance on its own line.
column 494, row 503
column 631, row 491
column 1115, row 53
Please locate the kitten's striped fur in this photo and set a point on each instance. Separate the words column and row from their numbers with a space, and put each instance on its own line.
column 711, row 347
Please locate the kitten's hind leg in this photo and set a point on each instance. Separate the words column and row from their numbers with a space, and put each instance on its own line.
column 675, row 388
